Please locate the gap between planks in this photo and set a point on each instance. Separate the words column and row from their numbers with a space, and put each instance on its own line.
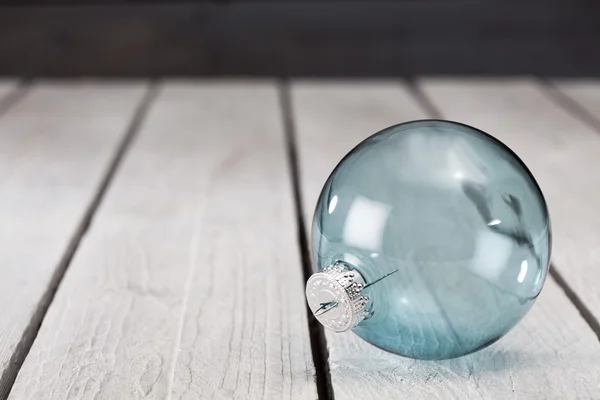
column 386, row 371
column 136, row 258
column 317, row 334
column 9, row 97
column 571, row 106
column 29, row 335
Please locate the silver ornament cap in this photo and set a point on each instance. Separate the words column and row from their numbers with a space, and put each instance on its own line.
column 335, row 297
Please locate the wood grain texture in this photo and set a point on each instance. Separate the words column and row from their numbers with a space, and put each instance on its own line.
column 552, row 353
column 188, row 285
column 55, row 146
column 560, row 149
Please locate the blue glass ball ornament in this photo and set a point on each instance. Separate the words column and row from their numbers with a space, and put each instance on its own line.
column 431, row 239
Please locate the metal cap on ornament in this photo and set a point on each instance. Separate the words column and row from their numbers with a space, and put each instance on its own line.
column 335, row 297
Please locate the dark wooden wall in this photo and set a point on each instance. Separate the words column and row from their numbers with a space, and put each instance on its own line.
column 334, row 38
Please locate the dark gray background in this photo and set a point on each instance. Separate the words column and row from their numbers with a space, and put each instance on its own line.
column 300, row 38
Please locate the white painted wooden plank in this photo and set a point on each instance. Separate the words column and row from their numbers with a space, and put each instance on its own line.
column 586, row 92
column 562, row 152
column 7, row 86
column 55, row 146
column 331, row 117
column 189, row 283
column 552, row 353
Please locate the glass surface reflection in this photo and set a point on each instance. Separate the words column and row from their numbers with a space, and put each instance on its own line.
column 454, row 220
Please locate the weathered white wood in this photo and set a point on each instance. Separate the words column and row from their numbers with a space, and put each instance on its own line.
column 6, row 87
column 332, row 117
column 562, row 152
column 552, row 353
column 586, row 92
column 55, row 146
column 189, row 284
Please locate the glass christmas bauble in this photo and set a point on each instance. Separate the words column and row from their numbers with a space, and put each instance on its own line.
column 431, row 239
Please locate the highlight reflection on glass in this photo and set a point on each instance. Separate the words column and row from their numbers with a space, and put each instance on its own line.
column 332, row 204
column 461, row 219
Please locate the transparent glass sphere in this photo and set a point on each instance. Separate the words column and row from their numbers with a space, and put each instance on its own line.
column 456, row 224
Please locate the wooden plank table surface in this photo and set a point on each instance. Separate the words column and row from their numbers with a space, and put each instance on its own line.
column 6, row 88
column 153, row 238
